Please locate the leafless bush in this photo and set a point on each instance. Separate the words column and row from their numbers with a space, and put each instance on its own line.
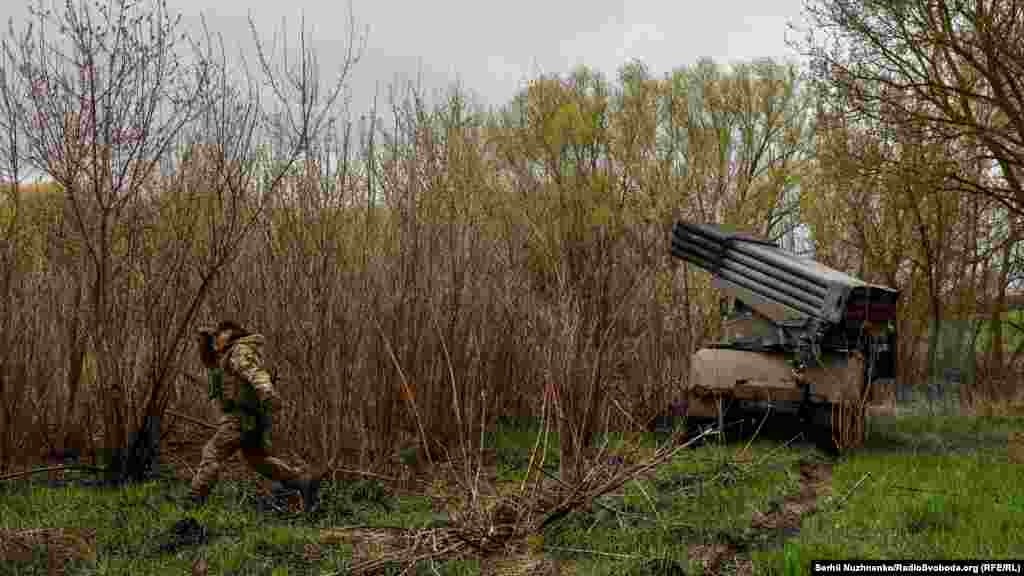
column 156, row 154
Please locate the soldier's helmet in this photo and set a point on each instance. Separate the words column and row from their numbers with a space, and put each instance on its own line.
column 212, row 330
column 230, row 326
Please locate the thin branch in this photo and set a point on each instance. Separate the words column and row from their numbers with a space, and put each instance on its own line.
column 23, row 473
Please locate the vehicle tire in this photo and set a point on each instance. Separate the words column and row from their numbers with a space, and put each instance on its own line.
column 819, row 429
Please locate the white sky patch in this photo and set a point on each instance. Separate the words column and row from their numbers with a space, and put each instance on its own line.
column 492, row 46
column 640, row 42
column 595, row 47
column 504, row 71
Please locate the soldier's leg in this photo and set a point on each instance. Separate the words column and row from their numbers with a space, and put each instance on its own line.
column 224, row 443
column 289, row 476
column 269, row 466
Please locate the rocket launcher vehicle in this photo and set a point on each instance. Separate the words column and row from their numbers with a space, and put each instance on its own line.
column 809, row 306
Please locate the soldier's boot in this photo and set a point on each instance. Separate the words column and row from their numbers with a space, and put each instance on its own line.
column 309, row 488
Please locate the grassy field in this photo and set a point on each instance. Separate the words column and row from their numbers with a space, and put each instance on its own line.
column 922, row 488
column 935, row 488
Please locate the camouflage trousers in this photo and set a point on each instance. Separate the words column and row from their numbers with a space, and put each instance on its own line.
column 228, row 439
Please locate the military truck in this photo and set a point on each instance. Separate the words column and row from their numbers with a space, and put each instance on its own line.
column 799, row 339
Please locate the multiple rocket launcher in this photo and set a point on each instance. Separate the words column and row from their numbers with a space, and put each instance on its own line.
column 816, row 306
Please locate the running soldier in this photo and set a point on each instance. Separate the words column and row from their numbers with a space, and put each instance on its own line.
column 237, row 379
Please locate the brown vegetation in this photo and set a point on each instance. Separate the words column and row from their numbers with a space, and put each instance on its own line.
column 921, row 118
column 428, row 273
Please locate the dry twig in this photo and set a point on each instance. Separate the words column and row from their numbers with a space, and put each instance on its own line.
column 22, row 473
column 484, row 529
column 192, row 420
column 851, row 491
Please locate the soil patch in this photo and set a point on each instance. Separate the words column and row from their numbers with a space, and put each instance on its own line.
column 712, row 556
column 815, row 482
column 1015, row 448
column 367, row 543
column 55, row 547
column 521, row 565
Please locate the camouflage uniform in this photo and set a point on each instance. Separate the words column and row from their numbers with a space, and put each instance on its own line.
column 248, row 399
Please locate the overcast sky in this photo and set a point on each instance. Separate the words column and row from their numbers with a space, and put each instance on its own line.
column 492, row 47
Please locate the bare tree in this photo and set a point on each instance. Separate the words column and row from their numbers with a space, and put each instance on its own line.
column 108, row 95
column 11, row 169
column 940, row 75
column 10, row 235
column 952, row 71
column 150, row 135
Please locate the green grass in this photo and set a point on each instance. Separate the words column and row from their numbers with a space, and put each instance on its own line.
column 514, row 444
column 929, row 488
column 134, row 526
column 922, row 488
column 703, row 497
column 919, row 432
column 927, row 507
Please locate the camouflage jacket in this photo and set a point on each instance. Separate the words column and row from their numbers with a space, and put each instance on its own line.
column 242, row 385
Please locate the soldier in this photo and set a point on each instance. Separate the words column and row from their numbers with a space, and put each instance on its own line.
column 233, row 358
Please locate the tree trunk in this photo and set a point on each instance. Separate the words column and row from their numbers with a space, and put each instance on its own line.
column 568, row 464
column 934, row 333
column 76, row 365
column 996, row 366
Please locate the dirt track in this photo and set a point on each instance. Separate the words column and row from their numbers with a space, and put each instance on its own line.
column 780, row 523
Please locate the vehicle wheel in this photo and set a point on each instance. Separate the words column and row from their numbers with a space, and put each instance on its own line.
column 819, row 429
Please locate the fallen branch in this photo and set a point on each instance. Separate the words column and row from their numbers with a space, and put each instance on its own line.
column 362, row 473
column 923, row 490
column 488, row 529
column 583, row 493
column 593, row 552
column 14, row 475
column 350, row 527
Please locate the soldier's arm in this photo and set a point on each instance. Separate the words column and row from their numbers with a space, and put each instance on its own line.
column 245, row 362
